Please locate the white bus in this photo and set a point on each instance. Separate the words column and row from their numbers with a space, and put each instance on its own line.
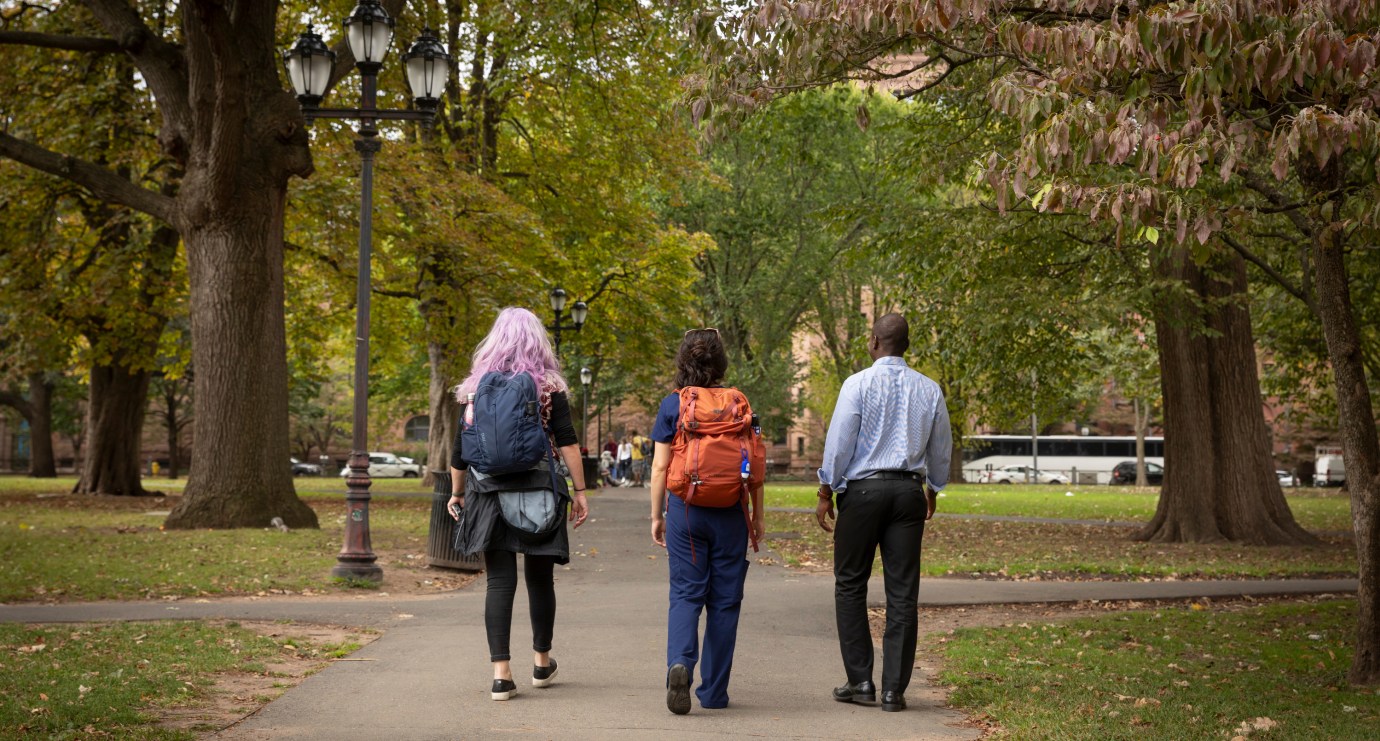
column 1076, row 458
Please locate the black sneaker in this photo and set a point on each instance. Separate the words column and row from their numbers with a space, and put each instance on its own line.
column 542, row 675
column 678, row 689
column 503, row 689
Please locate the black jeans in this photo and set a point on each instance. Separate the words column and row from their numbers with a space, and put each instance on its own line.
column 889, row 514
column 538, row 572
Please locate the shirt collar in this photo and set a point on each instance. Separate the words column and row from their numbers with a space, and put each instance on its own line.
column 890, row 360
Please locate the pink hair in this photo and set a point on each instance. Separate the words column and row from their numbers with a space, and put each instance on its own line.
column 516, row 344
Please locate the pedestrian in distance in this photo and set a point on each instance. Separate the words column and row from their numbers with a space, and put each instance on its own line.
column 886, row 457
column 637, row 454
column 625, row 462
column 708, row 453
column 507, row 500
column 644, row 471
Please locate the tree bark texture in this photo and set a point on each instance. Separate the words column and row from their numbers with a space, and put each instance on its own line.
column 114, row 426
column 443, row 412
column 1219, row 482
column 1359, row 443
column 1142, row 414
column 42, row 464
column 243, row 138
column 239, row 475
column 37, row 410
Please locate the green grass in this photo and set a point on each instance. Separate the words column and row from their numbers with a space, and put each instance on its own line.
column 1318, row 510
column 1167, row 674
column 999, row 549
column 78, row 681
column 115, row 550
column 308, row 487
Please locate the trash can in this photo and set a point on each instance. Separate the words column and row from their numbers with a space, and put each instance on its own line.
column 591, row 472
column 440, row 548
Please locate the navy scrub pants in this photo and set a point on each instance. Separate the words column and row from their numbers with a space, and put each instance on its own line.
column 711, row 581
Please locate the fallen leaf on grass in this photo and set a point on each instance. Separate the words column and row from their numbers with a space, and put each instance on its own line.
column 1259, row 724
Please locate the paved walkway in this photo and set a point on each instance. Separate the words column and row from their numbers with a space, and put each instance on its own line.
column 429, row 674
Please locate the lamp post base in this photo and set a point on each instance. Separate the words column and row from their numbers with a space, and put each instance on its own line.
column 352, row 571
column 356, row 560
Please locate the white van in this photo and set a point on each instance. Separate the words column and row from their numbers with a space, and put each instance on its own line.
column 1330, row 471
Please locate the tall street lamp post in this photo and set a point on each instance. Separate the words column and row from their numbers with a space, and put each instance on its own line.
column 368, row 31
column 586, row 378
column 578, row 312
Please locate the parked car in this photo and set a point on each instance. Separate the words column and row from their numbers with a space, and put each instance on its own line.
column 1125, row 473
column 1016, row 474
column 389, row 466
column 1286, row 478
column 304, row 469
column 1330, row 471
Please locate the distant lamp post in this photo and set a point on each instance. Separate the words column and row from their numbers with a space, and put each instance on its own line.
column 578, row 312
column 368, row 31
column 586, row 378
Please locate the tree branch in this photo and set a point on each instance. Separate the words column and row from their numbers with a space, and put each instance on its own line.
column 102, row 182
column 1275, row 275
column 161, row 63
column 16, row 401
column 91, row 44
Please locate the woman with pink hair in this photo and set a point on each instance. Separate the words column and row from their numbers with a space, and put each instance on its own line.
column 518, row 344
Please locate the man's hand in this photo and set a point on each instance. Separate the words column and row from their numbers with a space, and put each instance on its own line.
column 659, row 530
column 456, row 500
column 931, row 501
column 825, row 510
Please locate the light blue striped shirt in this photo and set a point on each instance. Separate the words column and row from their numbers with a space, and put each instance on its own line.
column 888, row 418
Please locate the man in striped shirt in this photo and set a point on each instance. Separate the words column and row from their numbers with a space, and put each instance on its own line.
column 887, row 457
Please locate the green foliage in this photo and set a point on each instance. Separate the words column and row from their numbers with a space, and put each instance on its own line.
column 1172, row 673
column 791, row 200
column 1237, row 125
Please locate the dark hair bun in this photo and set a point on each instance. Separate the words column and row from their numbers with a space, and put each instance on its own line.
column 701, row 359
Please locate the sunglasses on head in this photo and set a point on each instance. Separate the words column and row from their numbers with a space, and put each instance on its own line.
column 706, row 329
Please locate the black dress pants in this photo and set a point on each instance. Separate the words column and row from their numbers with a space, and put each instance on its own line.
column 890, row 514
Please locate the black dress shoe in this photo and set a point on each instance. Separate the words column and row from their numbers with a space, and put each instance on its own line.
column 542, row 675
column 678, row 689
column 503, row 689
column 893, row 701
column 863, row 691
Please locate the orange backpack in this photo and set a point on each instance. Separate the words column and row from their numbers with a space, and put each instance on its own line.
column 717, row 457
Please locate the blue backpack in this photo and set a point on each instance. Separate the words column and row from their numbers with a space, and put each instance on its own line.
column 505, row 433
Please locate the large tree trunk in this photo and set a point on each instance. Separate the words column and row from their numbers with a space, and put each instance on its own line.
column 443, row 412
column 1219, row 482
column 1359, row 444
column 239, row 475
column 42, row 464
column 114, row 426
column 37, row 410
column 1141, row 411
column 243, row 138
column 170, row 424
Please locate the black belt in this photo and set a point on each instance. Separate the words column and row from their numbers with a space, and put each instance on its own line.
column 894, row 476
